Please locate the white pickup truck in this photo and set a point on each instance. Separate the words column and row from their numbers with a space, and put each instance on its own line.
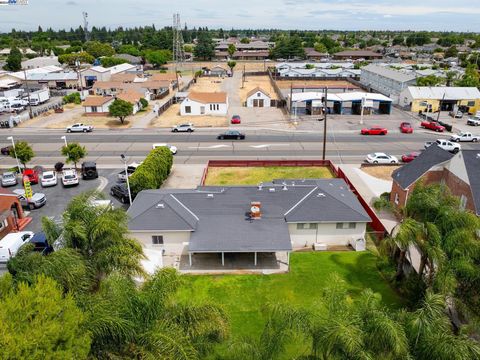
column 445, row 145
column 464, row 137
column 130, row 170
column 474, row 121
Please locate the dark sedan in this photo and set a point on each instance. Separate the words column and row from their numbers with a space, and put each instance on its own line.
column 120, row 191
column 231, row 135
column 6, row 150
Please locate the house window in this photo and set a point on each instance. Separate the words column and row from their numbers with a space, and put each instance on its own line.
column 471, row 103
column 352, row 225
column 306, row 226
column 218, row 107
column 157, row 239
column 463, row 202
column 211, row 107
column 397, row 198
column 94, row 109
column 339, row 225
column 258, row 94
column 188, row 109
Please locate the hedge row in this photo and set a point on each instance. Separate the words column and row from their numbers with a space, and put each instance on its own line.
column 153, row 171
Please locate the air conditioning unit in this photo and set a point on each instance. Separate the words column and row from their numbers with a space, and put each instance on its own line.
column 320, row 247
column 358, row 244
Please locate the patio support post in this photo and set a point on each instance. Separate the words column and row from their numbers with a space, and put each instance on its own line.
column 288, row 257
column 190, row 258
column 223, row 259
column 255, row 259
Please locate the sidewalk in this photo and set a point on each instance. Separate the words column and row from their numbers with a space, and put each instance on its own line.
column 369, row 188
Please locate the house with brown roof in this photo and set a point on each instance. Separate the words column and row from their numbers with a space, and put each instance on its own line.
column 357, row 54
column 133, row 97
column 204, row 103
column 258, row 98
column 97, row 105
column 12, row 217
column 170, row 77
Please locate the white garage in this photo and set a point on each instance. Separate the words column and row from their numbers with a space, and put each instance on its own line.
column 258, row 98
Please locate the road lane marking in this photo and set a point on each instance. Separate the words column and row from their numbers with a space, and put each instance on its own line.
column 267, row 145
column 209, row 147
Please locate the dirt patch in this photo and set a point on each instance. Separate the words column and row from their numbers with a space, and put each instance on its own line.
column 251, row 82
column 380, row 172
column 247, row 65
column 207, row 84
column 172, row 117
column 285, row 84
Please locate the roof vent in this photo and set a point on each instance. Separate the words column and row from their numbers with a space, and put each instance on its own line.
column 478, row 155
column 210, row 196
column 320, row 195
column 284, row 188
column 271, row 190
column 160, row 206
column 260, row 186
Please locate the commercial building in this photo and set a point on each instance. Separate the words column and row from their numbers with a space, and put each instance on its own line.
column 432, row 99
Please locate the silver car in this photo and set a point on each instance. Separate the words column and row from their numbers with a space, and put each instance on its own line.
column 9, row 179
column 37, row 200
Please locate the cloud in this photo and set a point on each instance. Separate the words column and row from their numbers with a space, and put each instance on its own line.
column 387, row 16
column 71, row 3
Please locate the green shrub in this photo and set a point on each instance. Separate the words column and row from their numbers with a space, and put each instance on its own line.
column 72, row 98
column 144, row 103
column 153, row 171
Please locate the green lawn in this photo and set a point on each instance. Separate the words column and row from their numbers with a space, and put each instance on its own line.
column 256, row 175
column 244, row 296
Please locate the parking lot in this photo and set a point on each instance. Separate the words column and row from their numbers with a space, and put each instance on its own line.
column 52, row 103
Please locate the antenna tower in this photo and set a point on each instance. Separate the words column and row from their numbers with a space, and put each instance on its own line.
column 178, row 53
column 85, row 25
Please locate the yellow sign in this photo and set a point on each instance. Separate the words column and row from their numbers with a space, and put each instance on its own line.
column 27, row 187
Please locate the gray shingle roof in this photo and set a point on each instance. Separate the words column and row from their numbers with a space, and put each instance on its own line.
column 219, row 216
column 411, row 172
column 389, row 73
column 471, row 159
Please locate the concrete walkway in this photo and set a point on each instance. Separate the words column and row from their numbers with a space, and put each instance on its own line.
column 370, row 187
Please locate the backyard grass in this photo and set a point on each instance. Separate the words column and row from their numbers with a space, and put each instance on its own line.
column 256, row 175
column 245, row 297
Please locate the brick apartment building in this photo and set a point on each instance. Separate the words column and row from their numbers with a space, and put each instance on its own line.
column 12, row 217
column 459, row 172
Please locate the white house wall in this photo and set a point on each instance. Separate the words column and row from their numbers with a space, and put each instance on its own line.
column 174, row 243
column 258, row 95
column 457, row 166
column 196, row 108
column 327, row 233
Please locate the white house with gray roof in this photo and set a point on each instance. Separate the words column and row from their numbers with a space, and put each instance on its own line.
column 273, row 219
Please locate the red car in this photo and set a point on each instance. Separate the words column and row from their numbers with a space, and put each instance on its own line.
column 235, row 119
column 406, row 128
column 376, row 130
column 432, row 125
column 410, row 157
column 32, row 175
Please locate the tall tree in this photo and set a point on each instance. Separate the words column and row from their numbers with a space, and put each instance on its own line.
column 14, row 60
column 74, row 152
column 120, row 109
column 205, row 48
column 23, row 152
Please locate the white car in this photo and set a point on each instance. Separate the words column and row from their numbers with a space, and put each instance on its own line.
column 445, row 145
column 69, row 177
column 381, row 158
column 37, row 200
column 49, row 178
column 183, row 128
column 9, row 179
column 173, row 149
column 79, row 128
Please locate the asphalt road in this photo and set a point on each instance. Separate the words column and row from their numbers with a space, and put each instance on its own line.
column 105, row 146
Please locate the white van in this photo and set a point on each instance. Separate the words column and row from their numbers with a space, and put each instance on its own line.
column 10, row 244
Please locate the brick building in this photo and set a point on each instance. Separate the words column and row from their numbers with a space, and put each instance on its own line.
column 12, row 217
column 459, row 172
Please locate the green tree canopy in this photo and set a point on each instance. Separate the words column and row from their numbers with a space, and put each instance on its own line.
column 14, row 60
column 231, row 49
column 158, row 57
column 471, row 78
column 231, row 64
column 98, row 49
column 74, row 152
column 71, row 59
column 429, row 80
column 205, row 48
column 24, row 152
column 120, row 109
column 39, row 322
column 109, row 61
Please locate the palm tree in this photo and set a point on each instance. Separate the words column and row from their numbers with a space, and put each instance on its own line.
column 406, row 236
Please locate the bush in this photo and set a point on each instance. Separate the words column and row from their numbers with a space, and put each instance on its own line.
column 72, row 98
column 153, row 171
column 383, row 202
column 144, row 103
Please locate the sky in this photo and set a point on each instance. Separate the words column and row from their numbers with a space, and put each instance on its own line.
column 438, row 15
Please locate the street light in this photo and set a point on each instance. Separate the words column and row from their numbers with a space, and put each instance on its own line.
column 124, row 159
column 64, row 138
column 15, row 152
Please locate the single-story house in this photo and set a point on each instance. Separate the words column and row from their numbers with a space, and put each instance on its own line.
column 12, row 217
column 313, row 54
column 270, row 219
column 459, row 172
column 97, row 105
column 251, row 55
column 133, row 97
column 217, row 70
column 170, row 77
column 204, row 103
column 357, row 55
column 40, row 62
column 258, row 98
column 431, row 99
column 134, row 60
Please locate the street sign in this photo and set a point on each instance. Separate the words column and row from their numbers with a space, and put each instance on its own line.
column 28, row 187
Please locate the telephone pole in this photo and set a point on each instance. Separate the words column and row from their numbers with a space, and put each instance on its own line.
column 85, row 25
column 325, row 123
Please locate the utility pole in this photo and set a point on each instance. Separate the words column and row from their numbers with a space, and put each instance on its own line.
column 291, row 99
column 85, row 25
column 30, row 114
column 178, row 52
column 440, row 106
column 325, row 123
column 361, row 110
column 243, row 77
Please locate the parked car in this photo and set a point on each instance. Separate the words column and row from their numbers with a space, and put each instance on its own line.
column 36, row 201
column 9, row 179
column 69, row 177
column 464, row 137
column 432, row 125
column 406, row 158
column 473, row 121
column 79, row 128
column 231, row 135
column 406, row 128
column 458, row 114
column 130, row 170
column 49, row 178
column 375, row 130
column 6, row 150
column 236, row 119
column 445, row 145
column 89, row 170
column 183, row 128
column 40, row 242
column 32, row 175
column 381, row 158
column 11, row 243
column 173, row 149
column 120, row 191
